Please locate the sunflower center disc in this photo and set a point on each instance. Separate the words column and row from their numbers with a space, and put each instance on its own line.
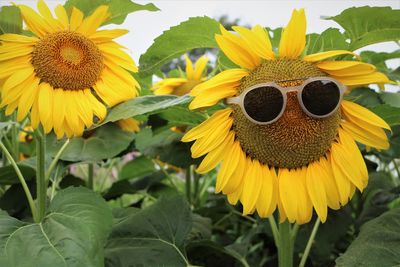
column 294, row 140
column 67, row 60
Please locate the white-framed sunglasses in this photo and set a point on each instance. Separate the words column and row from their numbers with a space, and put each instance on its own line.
column 265, row 103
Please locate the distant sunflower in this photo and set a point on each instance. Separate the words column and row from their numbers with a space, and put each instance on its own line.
column 129, row 125
column 183, row 85
column 67, row 73
column 298, row 162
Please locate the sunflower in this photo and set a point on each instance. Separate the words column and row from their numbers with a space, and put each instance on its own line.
column 67, row 73
column 298, row 162
column 183, row 85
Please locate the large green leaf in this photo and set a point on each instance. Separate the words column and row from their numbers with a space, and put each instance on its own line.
column 9, row 176
column 72, row 234
column 378, row 243
column 330, row 39
column 197, row 32
column 154, row 236
column 144, row 105
column 104, row 142
column 118, row 9
column 10, row 20
column 369, row 25
column 389, row 113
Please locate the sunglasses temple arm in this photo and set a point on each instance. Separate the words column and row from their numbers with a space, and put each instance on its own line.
column 233, row 100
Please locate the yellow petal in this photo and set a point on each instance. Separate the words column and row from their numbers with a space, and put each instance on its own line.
column 226, row 78
column 189, row 68
column 252, row 183
column 258, row 40
column 330, row 185
column 288, row 193
column 371, row 136
column 107, row 35
column 374, row 77
column 16, row 38
column 358, row 163
column 304, row 206
column 235, row 180
column 237, row 50
column 34, row 22
column 353, row 110
column 214, row 157
column 228, row 166
column 293, row 38
column 212, row 98
column 234, row 197
column 129, row 125
column 98, row 108
column 17, row 78
column 208, row 125
column 327, row 54
column 85, row 112
column 342, row 182
column 76, row 19
column 45, row 101
column 316, row 188
column 266, row 195
column 199, row 67
column 14, row 94
column 62, row 16
column 27, row 99
column 59, row 112
column 346, row 68
column 91, row 23
column 17, row 53
column 118, row 56
column 214, row 138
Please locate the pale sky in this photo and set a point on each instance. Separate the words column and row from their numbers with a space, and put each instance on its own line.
column 144, row 26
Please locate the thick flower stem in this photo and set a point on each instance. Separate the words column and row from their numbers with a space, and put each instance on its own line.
column 15, row 137
column 285, row 248
column 41, row 183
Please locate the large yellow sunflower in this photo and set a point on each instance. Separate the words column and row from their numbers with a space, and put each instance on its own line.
column 183, row 85
column 67, row 73
column 298, row 162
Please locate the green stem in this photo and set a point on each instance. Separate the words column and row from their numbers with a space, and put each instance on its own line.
column 56, row 159
column 90, row 175
column 285, row 251
column 188, row 184
column 274, row 228
column 309, row 243
column 41, row 183
column 21, row 180
column 196, row 178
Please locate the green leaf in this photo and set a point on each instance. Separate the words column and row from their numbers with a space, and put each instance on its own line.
column 10, row 20
column 178, row 115
column 275, row 37
column 166, row 146
column 154, row 236
column 365, row 97
column 389, row 113
column 137, row 168
column 330, row 39
column 392, row 99
column 224, row 63
column 9, row 176
column 72, row 234
column 197, row 32
column 144, row 105
column 118, row 9
column 105, row 142
column 369, row 25
column 378, row 243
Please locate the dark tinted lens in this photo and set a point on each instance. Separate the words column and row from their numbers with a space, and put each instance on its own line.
column 263, row 104
column 321, row 97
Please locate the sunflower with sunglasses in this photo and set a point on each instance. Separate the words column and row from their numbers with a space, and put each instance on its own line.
column 286, row 139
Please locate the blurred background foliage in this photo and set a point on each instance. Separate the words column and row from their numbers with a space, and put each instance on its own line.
column 146, row 206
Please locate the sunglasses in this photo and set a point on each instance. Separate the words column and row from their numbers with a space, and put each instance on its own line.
column 265, row 103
